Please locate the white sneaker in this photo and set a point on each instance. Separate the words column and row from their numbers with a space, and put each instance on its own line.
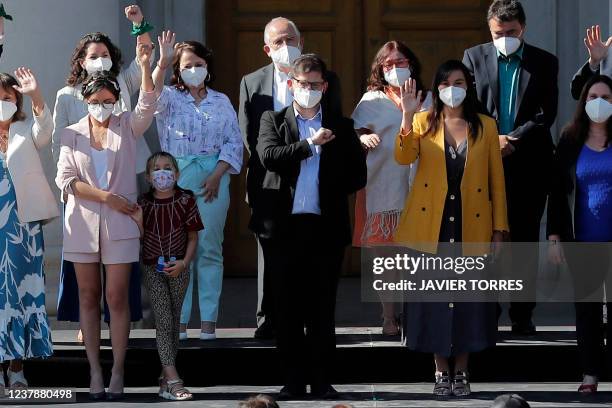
column 183, row 335
column 208, row 336
column 16, row 379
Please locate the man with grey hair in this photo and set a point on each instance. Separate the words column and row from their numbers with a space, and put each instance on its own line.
column 266, row 90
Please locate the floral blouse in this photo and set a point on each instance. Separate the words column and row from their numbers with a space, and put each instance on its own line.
column 211, row 127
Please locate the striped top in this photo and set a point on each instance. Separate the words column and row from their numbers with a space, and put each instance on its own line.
column 166, row 224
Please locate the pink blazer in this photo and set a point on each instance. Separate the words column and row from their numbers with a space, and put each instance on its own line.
column 84, row 218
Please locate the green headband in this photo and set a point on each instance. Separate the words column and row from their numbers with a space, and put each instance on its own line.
column 3, row 13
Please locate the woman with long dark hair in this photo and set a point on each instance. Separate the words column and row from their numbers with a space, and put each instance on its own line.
column 377, row 119
column 93, row 53
column 579, row 211
column 455, row 197
column 96, row 174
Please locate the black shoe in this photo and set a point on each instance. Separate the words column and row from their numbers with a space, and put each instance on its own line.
column 326, row 392
column 288, row 393
column 97, row 396
column 524, row 329
column 115, row 396
column 265, row 332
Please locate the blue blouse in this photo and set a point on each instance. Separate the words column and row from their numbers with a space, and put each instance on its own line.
column 208, row 128
column 593, row 212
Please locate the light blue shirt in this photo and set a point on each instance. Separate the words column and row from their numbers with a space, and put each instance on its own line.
column 306, row 197
column 509, row 71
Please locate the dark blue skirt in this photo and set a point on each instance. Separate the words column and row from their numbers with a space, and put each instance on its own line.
column 68, row 295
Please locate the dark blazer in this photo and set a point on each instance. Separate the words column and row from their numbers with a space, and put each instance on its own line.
column 584, row 74
column 256, row 97
column 562, row 199
column 536, row 108
column 342, row 171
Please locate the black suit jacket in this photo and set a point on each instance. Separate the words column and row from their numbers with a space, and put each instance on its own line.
column 560, row 212
column 342, row 171
column 536, row 110
column 584, row 74
column 256, row 97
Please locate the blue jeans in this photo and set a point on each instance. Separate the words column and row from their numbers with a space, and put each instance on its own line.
column 208, row 262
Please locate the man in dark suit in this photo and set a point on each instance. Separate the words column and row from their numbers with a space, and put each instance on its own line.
column 260, row 91
column 517, row 85
column 599, row 63
column 313, row 162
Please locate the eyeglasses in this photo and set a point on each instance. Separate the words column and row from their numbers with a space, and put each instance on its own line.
column 315, row 86
column 105, row 105
column 401, row 62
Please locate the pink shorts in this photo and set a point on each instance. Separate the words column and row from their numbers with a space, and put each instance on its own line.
column 111, row 252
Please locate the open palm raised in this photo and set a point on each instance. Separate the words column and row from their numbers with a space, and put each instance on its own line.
column 27, row 81
column 410, row 98
column 166, row 47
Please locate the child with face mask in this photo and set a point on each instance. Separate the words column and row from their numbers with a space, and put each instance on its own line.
column 169, row 222
column 199, row 126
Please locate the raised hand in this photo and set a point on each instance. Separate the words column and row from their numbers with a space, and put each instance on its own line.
column 143, row 53
column 27, row 81
column 166, row 42
column 596, row 48
column 410, row 98
column 134, row 14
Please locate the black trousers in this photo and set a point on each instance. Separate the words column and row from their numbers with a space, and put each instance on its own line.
column 590, row 333
column 589, row 264
column 308, row 273
column 267, row 309
column 525, row 213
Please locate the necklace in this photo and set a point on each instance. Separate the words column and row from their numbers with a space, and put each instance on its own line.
column 155, row 205
column 3, row 141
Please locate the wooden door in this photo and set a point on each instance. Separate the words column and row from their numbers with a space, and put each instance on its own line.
column 434, row 30
column 235, row 34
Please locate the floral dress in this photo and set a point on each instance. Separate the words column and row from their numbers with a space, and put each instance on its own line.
column 24, row 328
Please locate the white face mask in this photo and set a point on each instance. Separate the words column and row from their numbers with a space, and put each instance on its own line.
column 98, row 64
column 194, row 76
column 99, row 112
column 7, row 110
column 599, row 110
column 306, row 98
column 285, row 55
column 507, row 45
column 397, row 77
column 452, row 96
column 163, row 180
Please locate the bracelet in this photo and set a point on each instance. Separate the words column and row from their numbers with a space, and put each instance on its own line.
column 160, row 66
column 140, row 29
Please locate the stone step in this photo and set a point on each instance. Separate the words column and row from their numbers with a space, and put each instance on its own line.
column 363, row 356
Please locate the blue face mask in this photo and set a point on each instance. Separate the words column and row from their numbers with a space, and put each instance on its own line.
column 163, row 180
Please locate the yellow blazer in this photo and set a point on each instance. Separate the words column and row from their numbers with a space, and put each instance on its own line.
column 483, row 190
